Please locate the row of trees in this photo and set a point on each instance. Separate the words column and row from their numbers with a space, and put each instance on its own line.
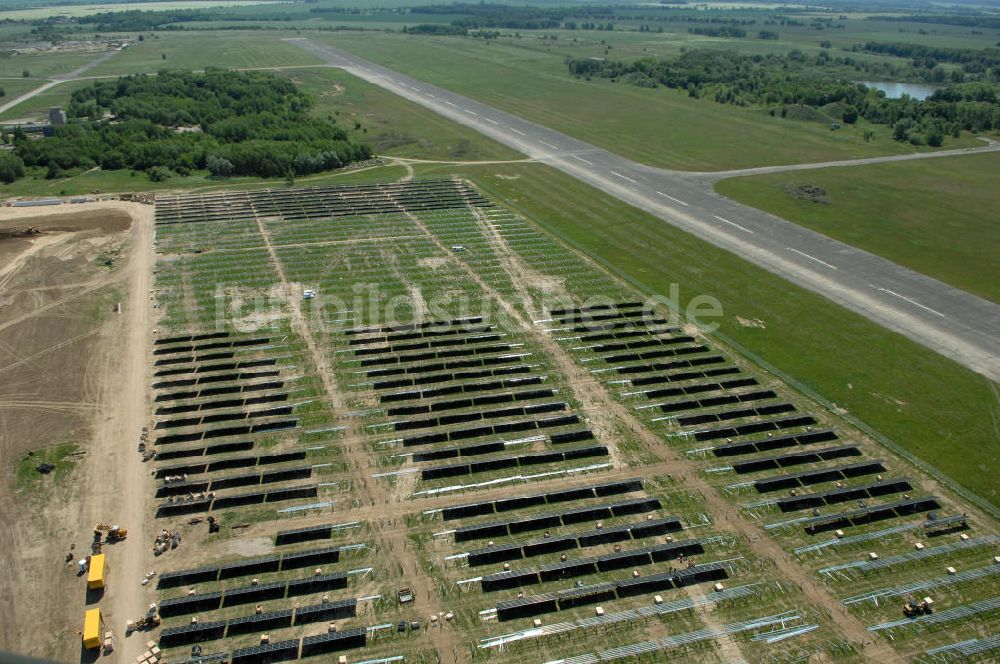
column 230, row 123
column 781, row 80
column 984, row 61
column 969, row 19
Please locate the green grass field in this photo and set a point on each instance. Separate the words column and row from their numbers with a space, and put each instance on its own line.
column 391, row 125
column 197, row 50
column 14, row 87
column 928, row 404
column 54, row 10
column 658, row 127
column 44, row 65
column 937, row 217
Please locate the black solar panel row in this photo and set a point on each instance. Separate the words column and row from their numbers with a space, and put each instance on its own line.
column 211, row 450
column 189, row 337
column 719, row 400
column 811, row 477
column 773, row 443
column 334, row 641
column 756, row 427
column 445, row 366
column 738, row 414
column 219, row 404
column 501, row 505
column 555, row 519
column 240, row 568
column 570, row 569
column 698, row 388
column 211, row 345
column 582, row 540
column 465, row 352
column 601, row 315
column 646, row 343
column 426, row 345
column 224, row 502
column 224, row 417
column 496, row 429
column 472, row 401
column 556, row 313
column 418, row 327
column 627, row 334
column 191, row 359
column 682, row 376
column 667, row 366
column 594, row 326
column 215, row 391
column 447, row 377
column 843, row 495
column 231, row 462
column 200, row 632
column 795, row 458
column 499, row 463
column 271, row 653
column 469, row 388
column 866, row 515
column 478, row 416
column 225, row 432
column 526, row 607
column 423, row 334
column 223, row 366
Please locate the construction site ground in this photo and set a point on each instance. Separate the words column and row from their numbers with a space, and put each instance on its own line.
column 72, row 392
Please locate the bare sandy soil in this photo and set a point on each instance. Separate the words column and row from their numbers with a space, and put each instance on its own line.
column 72, row 370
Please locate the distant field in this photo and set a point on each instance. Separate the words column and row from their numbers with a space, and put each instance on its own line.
column 197, row 50
column 928, row 404
column 49, row 11
column 45, row 65
column 657, row 127
column 394, row 126
column 937, row 217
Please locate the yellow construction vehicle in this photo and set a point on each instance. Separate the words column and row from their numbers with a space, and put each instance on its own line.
column 115, row 533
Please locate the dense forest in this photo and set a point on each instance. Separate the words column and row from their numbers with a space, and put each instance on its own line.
column 817, row 81
column 228, row 122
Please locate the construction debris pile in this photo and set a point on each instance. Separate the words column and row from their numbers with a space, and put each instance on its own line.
column 166, row 540
column 145, row 449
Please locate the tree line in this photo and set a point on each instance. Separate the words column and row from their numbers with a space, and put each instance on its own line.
column 226, row 122
column 985, row 61
column 814, row 81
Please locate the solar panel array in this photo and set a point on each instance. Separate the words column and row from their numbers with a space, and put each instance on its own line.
column 547, row 503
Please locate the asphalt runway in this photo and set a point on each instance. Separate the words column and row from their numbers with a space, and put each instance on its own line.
column 957, row 324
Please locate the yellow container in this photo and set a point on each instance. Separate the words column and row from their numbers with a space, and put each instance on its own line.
column 97, row 572
column 93, row 628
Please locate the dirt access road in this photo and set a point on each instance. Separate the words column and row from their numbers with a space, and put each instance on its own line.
column 73, row 371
